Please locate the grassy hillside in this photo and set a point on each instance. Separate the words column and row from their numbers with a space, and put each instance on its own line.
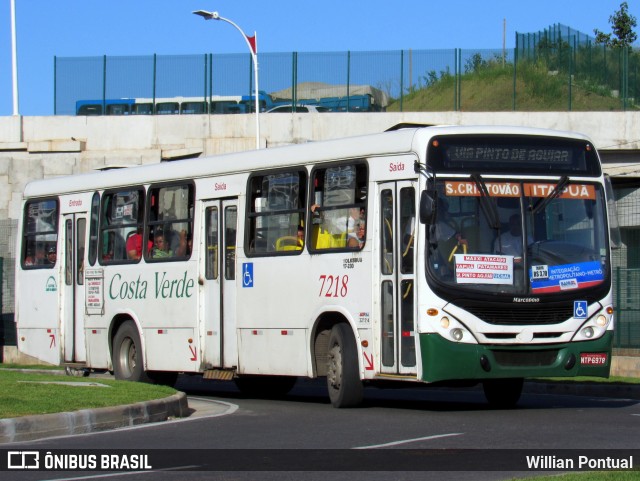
column 491, row 88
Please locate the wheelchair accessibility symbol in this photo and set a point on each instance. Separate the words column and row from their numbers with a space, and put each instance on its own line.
column 247, row 274
column 580, row 309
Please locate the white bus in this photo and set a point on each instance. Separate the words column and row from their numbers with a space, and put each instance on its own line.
column 428, row 255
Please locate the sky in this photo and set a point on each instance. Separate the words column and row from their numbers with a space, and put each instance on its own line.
column 90, row 28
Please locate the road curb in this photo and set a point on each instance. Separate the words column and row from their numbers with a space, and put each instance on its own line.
column 29, row 428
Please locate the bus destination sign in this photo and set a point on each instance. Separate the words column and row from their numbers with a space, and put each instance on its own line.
column 484, row 153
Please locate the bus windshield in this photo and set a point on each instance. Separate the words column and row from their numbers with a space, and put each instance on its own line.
column 520, row 238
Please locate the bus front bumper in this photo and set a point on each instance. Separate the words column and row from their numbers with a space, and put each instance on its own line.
column 444, row 360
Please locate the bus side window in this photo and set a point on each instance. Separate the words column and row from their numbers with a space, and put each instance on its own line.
column 170, row 222
column 339, row 208
column 276, row 213
column 40, row 233
column 121, row 214
column 93, row 229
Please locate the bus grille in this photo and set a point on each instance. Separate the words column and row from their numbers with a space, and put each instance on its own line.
column 537, row 314
column 526, row 358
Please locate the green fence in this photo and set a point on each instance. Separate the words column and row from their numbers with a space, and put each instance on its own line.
column 627, row 308
column 543, row 73
column 586, row 68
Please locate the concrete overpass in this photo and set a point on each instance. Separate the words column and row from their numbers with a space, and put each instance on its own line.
column 40, row 147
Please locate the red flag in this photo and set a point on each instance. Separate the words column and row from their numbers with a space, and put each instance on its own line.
column 252, row 42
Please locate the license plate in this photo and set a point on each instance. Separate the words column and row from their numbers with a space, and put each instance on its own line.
column 593, row 358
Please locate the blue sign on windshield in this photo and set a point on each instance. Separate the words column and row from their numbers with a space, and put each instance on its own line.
column 565, row 277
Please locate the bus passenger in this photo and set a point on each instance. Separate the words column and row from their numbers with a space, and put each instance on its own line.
column 337, row 224
column 510, row 243
column 189, row 243
column 184, row 244
column 356, row 238
column 51, row 255
column 134, row 245
column 29, row 258
column 160, row 246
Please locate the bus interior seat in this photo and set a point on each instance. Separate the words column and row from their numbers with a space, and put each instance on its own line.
column 323, row 239
column 289, row 243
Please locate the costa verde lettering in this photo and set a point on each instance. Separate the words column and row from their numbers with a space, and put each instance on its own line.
column 167, row 288
column 164, row 287
column 119, row 289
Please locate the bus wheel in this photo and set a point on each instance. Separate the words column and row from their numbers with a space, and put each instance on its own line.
column 343, row 376
column 271, row 386
column 127, row 354
column 503, row 393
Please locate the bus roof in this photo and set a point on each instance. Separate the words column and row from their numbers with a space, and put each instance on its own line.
column 386, row 143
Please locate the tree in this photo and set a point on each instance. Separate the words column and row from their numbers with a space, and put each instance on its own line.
column 622, row 25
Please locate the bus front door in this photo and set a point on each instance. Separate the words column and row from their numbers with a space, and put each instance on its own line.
column 397, row 277
column 218, row 275
column 75, row 227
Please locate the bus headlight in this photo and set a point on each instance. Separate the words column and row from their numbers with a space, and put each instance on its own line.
column 452, row 329
column 595, row 327
column 456, row 334
column 588, row 332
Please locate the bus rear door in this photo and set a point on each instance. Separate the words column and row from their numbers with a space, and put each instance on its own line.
column 219, row 293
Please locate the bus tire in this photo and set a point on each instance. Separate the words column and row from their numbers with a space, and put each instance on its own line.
column 128, row 364
column 343, row 373
column 503, row 393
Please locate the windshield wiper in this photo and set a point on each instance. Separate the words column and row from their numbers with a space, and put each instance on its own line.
column 557, row 190
column 488, row 206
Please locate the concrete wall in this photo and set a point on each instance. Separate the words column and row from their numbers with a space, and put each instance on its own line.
column 40, row 147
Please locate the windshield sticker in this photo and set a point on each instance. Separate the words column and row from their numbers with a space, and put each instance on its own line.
column 507, row 189
column 567, row 276
column 539, row 273
column 478, row 269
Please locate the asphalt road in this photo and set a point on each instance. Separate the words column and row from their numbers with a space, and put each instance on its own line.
column 391, row 423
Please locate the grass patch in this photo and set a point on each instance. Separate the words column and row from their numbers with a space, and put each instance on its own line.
column 19, row 398
column 48, row 367
column 490, row 86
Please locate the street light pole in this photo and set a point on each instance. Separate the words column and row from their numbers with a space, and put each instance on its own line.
column 14, row 58
column 253, row 49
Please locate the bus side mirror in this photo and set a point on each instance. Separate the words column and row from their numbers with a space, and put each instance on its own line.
column 427, row 206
